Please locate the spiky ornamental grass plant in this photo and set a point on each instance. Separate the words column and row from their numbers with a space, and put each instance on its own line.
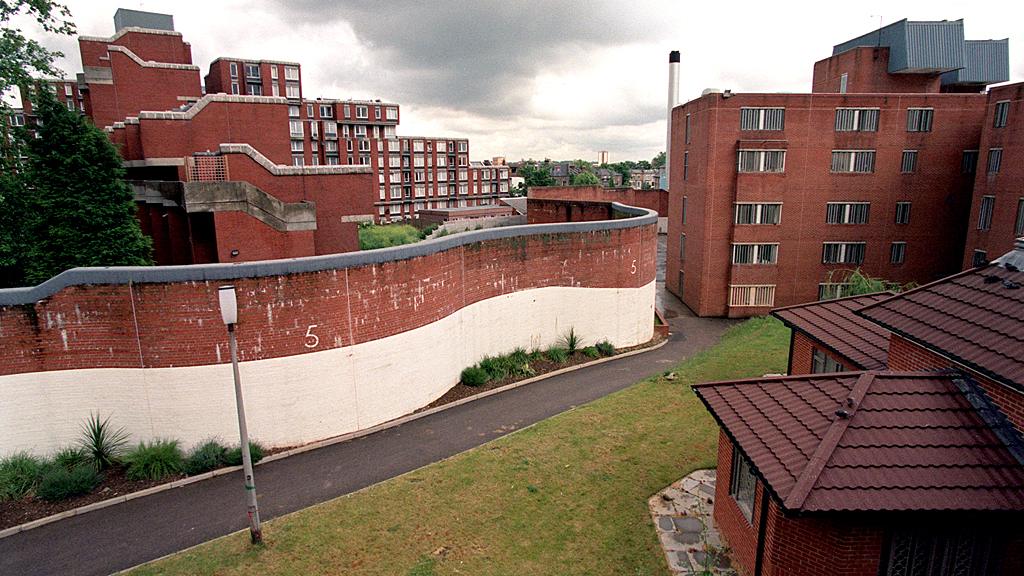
column 103, row 445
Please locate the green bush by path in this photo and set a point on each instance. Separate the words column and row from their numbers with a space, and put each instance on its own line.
column 71, row 457
column 565, row 496
column 102, row 443
column 557, row 355
column 19, row 474
column 209, row 455
column 234, row 455
column 154, row 460
column 372, row 236
column 605, row 348
column 591, row 352
column 473, row 376
column 59, row 483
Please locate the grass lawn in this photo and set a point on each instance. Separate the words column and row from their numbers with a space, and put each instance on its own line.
column 374, row 236
column 565, row 496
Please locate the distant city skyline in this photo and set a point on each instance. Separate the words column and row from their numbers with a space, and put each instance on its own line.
column 563, row 80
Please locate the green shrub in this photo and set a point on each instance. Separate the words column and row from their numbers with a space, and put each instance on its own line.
column 19, row 473
column 428, row 231
column 605, row 348
column 71, row 457
column 372, row 237
column 536, row 355
column 495, row 367
column 102, row 444
column 155, row 460
column 557, row 355
column 591, row 352
column 234, row 455
column 59, row 483
column 571, row 341
column 209, row 455
column 474, row 376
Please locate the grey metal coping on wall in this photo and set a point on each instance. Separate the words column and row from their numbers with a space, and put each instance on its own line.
column 636, row 217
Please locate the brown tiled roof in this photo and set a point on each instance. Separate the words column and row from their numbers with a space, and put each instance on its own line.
column 834, row 324
column 975, row 318
column 908, row 441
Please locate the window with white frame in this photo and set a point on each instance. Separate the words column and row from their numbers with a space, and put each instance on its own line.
column 442, row 147
column 275, row 90
column 969, row 163
column 360, row 130
column 326, row 111
column 856, row 119
column 442, row 175
column 903, row 212
column 295, row 127
column 391, row 113
column 314, row 129
column 296, row 145
column 760, row 295
column 344, row 130
column 897, row 252
column 396, row 191
column 761, row 161
column 254, row 89
column 376, row 112
column 762, row 118
column 67, row 90
column 822, row 363
column 233, row 69
column 420, row 176
column 755, row 253
column 421, row 190
column 844, row 83
column 441, row 161
column 1002, row 112
column 252, row 70
column 331, row 146
column 273, row 71
column 348, row 146
column 291, row 73
column 742, row 484
column 463, row 174
column 847, row 212
column 291, row 91
column 346, row 111
column 843, row 252
column 389, row 132
column 235, row 90
column 364, row 146
column 919, row 119
column 333, row 161
column 833, row 290
column 758, row 213
column 463, row 146
column 298, row 161
column 908, row 165
column 988, row 204
column 463, row 188
column 856, row 161
column 995, row 160
column 417, row 162
column 463, row 161
column 362, row 112
column 330, row 128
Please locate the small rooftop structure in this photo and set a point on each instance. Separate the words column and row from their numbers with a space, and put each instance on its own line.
column 834, row 324
column 125, row 18
column 873, row 441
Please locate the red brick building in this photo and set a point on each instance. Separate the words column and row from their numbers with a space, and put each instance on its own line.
column 914, row 466
column 775, row 198
column 262, row 171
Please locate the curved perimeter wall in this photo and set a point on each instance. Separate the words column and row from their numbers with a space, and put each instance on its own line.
column 328, row 344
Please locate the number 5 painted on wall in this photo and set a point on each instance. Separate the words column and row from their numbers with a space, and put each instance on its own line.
column 312, row 340
column 632, row 267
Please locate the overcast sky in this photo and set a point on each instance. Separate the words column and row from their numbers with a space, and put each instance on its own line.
column 536, row 79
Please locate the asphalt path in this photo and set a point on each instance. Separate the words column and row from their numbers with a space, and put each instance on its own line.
column 140, row 530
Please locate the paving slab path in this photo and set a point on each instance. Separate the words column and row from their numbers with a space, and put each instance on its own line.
column 140, row 530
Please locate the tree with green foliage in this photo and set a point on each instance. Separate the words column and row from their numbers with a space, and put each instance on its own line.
column 536, row 175
column 81, row 212
column 643, row 165
column 20, row 58
column 858, row 283
column 658, row 161
column 585, row 179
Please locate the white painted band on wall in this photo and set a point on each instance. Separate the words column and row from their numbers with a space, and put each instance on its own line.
column 307, row 397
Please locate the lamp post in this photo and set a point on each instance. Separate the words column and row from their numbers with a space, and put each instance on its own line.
column 229, row 312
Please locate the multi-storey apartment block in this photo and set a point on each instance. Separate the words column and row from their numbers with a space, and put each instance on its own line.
column 299, row 174
column 775, row 198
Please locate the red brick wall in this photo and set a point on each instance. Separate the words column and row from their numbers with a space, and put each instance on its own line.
column 737, row 532
column 837, row 545
column 1004, row 185
column 544, row 211
column 178, row 324
column 255, row 240
column 656, row 200
column 867, row 70
column 801, row 355
column 906, row 355
column 938, row 192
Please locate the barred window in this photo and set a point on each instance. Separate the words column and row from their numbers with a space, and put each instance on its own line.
column 742, row 484
column 755, row 253
column 833, row 290
column 1002, row 111
column 861, row 161
column 969, row 164
column 847, row 213
column 843, row 253
column 985, row 212
column 937, row 550
column 682, row 247
column 760, row 295
column 897, row 252
column 903, row 212
column 762, row 160
column 686, row 132
column 822, row 363
column 995, row 159
column 909, row 163
column 1018, row 226
column 980, row 258
column 919, row 119
column 751, row 213
column 856, row 119
column 686, row 164
column 762, row 118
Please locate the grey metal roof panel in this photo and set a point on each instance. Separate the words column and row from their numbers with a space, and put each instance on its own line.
column 919, row 46
column 985, row 62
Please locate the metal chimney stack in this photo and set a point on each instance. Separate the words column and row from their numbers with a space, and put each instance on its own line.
column 673, row 99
